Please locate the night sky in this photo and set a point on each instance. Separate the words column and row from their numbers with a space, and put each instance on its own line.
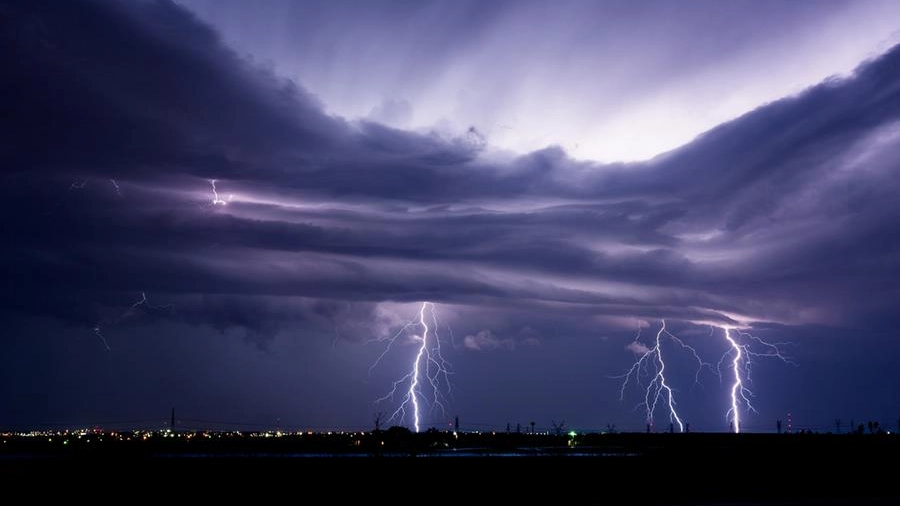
column 232, row 208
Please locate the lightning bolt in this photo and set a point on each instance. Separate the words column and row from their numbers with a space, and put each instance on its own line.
column 99, row 333
column 81, row 184
column 98, row 327
column 741, row 355
column 651, row 363
column 216, row 201
column 142, row 302
column 429, row 372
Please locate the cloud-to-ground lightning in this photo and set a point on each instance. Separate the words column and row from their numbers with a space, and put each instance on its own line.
column 741, row 355
column 429, row 372
column 651, row 363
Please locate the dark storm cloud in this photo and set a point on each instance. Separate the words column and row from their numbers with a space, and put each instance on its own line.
column 784, row 214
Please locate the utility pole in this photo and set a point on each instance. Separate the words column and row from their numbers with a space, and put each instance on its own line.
column 172, row 421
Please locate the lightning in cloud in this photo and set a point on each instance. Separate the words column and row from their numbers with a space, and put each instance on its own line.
column 428, row 377
column 143, row 301
column 99, row 333
column 651, row 363
column 78, row 184
column 743, row 347
column 216, row 201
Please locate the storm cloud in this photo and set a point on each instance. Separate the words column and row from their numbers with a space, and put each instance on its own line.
column 118, row 115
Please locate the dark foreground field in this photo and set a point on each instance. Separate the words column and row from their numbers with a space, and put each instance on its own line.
column 440, row 468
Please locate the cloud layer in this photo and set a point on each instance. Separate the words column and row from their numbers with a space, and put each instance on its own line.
column 119, row 114
column 783, row 214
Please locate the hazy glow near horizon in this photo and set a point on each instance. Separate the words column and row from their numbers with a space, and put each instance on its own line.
column 617, row 81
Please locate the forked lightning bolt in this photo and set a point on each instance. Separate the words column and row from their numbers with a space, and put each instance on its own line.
column 741, row 355
column 429, row 373
column 659, row 388
column 98, row 327
column 142, row 302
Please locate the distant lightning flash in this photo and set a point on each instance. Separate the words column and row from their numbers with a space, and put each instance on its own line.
column 651, row 363
column 98, row 327
column 99, row 333
column 143, row 302
column 78, row 184
column 216, row 201
column 741, row 355
column 429, row 369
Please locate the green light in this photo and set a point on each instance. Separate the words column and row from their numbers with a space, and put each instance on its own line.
column 572, row 433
